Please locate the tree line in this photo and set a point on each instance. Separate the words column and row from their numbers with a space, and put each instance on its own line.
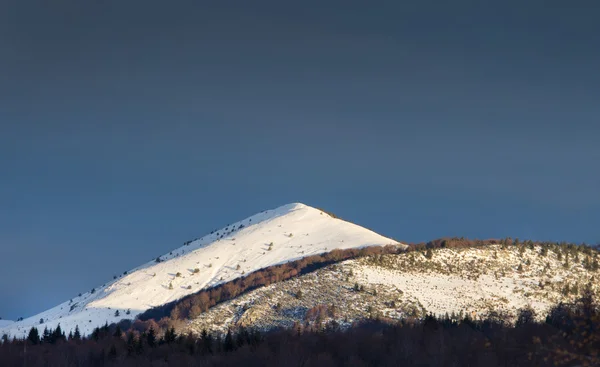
column 569, row 336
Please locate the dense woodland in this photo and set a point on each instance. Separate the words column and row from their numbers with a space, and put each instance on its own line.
column 570, row 337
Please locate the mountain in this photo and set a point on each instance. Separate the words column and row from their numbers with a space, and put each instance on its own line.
column 494, row 280
column 5, row 323
column 271, row 237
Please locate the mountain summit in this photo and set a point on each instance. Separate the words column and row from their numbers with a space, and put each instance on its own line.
column 271, row 237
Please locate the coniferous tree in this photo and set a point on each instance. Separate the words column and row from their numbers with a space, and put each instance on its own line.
column 525, row 316
column 139, row 345
column 96, row 334
column 228, row 343
column 118, row 332
column 131, row 343
column 46, row 335
column 170, row 336
column 57, row 335
column 151, row 337
column 206, row 342
column 34, row 336
column 77, row 334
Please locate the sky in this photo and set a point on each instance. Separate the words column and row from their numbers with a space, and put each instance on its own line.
column 127, row 128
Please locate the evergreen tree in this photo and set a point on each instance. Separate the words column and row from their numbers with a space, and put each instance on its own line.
column 206, row 342
column 429, row 254
column 170, row 335
column 77, row 334
column 118, row 332
column 151, row 337
column 131, row 343
column 46, row 336
column 139, row 345
column 96, row 334
column 34, row 336
column 57, row 335
column 525, row 316
column 228, row 343
column 218, row 344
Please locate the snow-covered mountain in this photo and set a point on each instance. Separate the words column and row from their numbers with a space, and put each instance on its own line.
column 294, row 230
column 477, row 282
column 5, row 323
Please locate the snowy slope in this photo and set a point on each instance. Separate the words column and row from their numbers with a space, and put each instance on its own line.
column 474, row 281
column 5, row 323
column 296, row 230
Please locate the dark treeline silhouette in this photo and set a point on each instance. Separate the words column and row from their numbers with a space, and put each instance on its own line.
column 571, row 332
column 569, row 336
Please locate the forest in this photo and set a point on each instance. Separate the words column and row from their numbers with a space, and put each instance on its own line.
column 570, row 336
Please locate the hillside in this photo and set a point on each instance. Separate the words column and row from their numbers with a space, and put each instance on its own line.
column 271, row 237
column 467, row 281
column 5, row 323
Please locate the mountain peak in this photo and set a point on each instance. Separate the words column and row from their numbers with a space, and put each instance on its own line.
column 271, row 237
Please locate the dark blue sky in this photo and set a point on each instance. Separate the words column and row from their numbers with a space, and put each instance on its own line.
column 128, row 129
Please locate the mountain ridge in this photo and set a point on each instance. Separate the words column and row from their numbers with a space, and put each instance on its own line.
column 271, row 237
